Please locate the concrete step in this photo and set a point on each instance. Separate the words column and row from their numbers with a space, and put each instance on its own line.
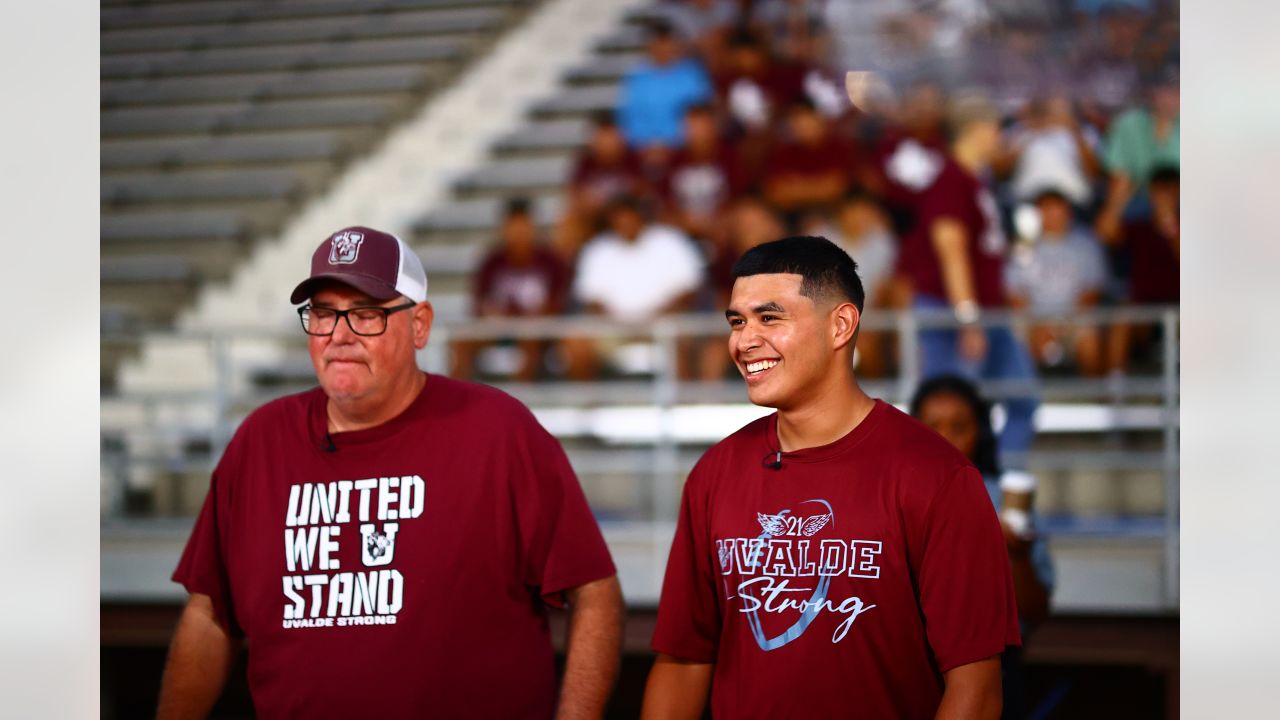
column 266, row 86
column 577, row 101
column 604, row 69
column 294, row 146
column 630, row 39
column 278, row 58
column 545, row 137
column 215, row 185
column 120, row 43
column 245, row 11
column 505, row 177
column 482, row 214
column 240, row 117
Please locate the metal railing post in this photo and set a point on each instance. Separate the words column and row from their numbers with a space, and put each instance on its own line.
column 1172, row 511
column 908, row 354
column 665, row 449
column 221, row 436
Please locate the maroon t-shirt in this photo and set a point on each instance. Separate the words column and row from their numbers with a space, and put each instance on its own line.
column 1154, row 275
column 605, row 181
column 832, row 154
column 399, row 571
column 958, row 195
column 841, row 584
column 904, row 165
column 701, row 186
column 530, row 289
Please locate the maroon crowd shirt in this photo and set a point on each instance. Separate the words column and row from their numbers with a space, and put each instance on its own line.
column 1154, row 263
column 398, row 571
column 844, row 582
column 958, row 195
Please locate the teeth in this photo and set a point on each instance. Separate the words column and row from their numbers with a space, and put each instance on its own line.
column 759, row 365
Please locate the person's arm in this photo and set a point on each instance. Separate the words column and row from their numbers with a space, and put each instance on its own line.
column 200, row 659
column 949, row 240
column 972, row 691
column 677, row 689
column 1109, row 225
column 594, row 649
column 1033, row 596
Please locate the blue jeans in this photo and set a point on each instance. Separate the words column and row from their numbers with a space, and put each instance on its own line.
column 1006, row 359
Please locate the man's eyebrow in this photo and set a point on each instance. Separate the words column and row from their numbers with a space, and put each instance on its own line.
column 731, row 313
column 768, row 307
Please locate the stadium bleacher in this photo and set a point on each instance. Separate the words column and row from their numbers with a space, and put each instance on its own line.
column 221, row 119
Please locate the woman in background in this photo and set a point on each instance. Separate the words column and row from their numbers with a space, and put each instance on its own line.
column 951, row 406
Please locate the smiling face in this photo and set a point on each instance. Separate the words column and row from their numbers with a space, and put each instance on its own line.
column 365, row 373
column 786, row 346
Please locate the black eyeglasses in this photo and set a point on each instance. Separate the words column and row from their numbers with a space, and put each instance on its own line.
column 367, row 321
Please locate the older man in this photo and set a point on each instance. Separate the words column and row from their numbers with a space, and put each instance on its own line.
column 387, row 543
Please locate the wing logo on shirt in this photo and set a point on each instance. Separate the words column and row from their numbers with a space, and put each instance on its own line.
column 783, row 525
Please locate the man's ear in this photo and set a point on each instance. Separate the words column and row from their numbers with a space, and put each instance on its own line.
column 845, row 321
column 423, row 316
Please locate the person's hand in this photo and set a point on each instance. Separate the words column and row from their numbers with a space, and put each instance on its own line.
column 972, row 343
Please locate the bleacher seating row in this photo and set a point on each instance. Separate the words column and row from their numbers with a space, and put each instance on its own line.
column 221, row 119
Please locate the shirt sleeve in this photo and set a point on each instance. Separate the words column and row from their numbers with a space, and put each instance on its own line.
column 202, row 567
column 946, row 198
column 1118, row 149
column 966, row 585
column 562, row 547
column 688, row 625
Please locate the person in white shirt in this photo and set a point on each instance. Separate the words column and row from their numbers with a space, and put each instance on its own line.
column 631, row 273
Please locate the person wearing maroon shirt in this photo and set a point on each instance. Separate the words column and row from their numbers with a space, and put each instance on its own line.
column 954, row 259
column 837, row 558
column 387, row 543
column 519, row 278
column 1151, row 247
column 702, row 177
column 812, row 168
column 606, row 169
column 908, row 154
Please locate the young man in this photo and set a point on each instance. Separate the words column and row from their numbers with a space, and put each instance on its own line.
column 836, row 558
column 386, row 542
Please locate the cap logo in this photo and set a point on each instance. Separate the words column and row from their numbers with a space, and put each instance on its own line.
column 344, row 247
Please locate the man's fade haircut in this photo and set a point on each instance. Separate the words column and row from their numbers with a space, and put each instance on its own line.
column 825, row 269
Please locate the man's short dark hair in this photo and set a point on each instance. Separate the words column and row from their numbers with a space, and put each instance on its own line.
column 826, row 269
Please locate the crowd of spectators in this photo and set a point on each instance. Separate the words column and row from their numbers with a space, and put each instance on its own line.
column 1045, row 134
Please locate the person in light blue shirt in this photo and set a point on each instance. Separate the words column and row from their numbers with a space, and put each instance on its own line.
column 657, row 91
column 1059, row 271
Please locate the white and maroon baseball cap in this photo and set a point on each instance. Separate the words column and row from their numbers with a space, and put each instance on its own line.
column 376, row 263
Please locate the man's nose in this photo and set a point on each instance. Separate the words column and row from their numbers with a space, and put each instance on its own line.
column 342, row 332
column 748, row 338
